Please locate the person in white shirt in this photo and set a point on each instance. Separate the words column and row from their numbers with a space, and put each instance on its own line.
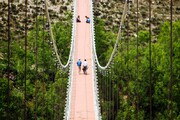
column 85, row 66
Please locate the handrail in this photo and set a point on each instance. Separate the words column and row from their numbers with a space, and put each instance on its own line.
column 70, row 59
column 67, row 109
column 117, row 40
column 94, row 76
column 54, row 42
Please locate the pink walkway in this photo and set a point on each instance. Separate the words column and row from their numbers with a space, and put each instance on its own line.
column 82, row 104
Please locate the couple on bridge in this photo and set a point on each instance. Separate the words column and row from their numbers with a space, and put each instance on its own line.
column 84, row 64
column 87, row 19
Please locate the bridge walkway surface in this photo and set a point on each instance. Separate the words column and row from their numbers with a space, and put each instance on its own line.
column 82, row 99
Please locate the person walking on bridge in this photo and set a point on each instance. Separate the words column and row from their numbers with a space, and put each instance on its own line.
column 78, row 19
column 85, row 66
column 87, row 19
column 79, row 65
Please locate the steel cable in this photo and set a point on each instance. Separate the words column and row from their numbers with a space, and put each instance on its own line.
column 113, row 95
column 36, row 64
column 117, row 94
column 127, row 66
column 117, row 90
column 171, row 64
column 108, row 95
column 54, row 43
column 105, row 100
column 104, row 93
column 150, row 63
column 137, row 57
column 100, row 85
column 8, row 67
column 127, row 63
column 47, row 117
column 52, row 78
column 111, row 102
column 25, row 63
column 43, row 64
column 117, row 40
column 70, row 59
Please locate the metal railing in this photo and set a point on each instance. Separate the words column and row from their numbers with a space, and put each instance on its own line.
column 94, row 70
column 95, row 58
column 70, row 59
column 67, row 109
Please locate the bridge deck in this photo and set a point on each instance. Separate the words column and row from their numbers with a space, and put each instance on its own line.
column 82, row 104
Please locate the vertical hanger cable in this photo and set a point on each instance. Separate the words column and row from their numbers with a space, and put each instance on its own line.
column 171, row 64
column 25, row 63
column 150, row 66
column 36, row 54
column 8, row 67
column 137, row 55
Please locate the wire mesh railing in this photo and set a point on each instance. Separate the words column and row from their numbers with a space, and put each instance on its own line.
column 70, row 59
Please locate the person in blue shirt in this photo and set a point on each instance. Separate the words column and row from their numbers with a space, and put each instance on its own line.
column 87, row 19
column 79, row 65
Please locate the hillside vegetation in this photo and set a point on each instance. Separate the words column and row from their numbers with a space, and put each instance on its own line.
column 124, row 90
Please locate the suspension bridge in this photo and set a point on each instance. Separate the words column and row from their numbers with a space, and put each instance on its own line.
column 82, row 96
column 82, row 99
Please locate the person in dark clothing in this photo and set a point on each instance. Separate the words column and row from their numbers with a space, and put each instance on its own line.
column 78, row 19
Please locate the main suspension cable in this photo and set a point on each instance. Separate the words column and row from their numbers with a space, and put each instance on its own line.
column 117, row 40
column 54, row 42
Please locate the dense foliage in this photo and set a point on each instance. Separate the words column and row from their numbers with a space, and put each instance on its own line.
column 126, row 90
column 105, row 41
column 45, row 84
